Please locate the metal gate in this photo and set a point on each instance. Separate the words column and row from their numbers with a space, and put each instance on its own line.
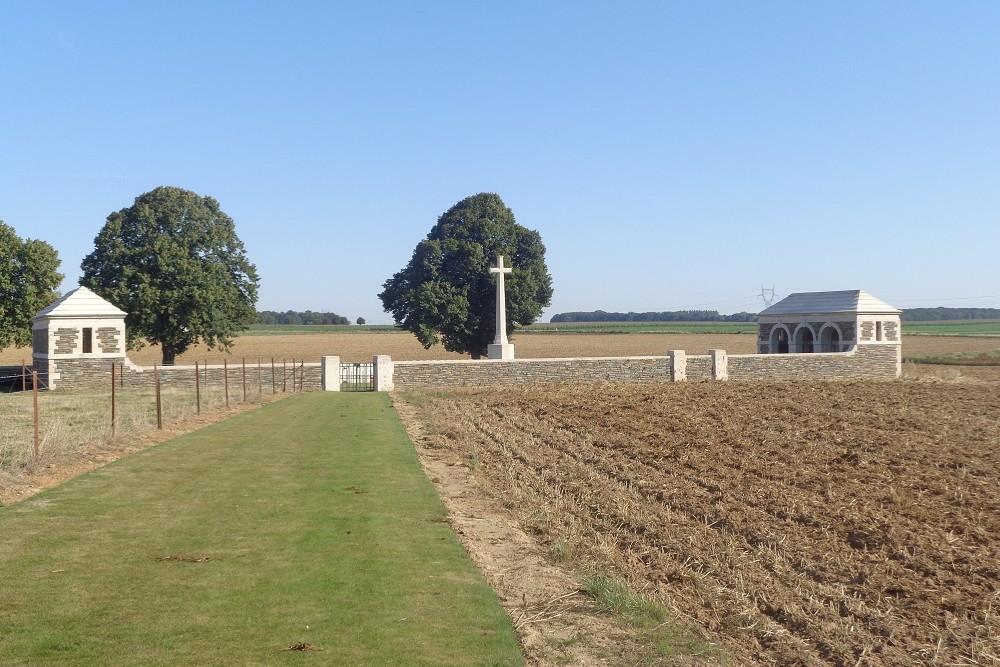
column 357, row 377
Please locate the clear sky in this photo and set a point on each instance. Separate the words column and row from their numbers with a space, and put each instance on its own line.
column 672, row 155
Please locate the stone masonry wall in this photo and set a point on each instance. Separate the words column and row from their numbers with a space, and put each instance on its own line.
column 865, row 361
column 96, row 374
column 415, row 374
column 107, row 340
column 66, row 340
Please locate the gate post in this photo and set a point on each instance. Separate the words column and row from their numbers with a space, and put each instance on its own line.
column 330, row 373
column 720, row 364
column 678, row 366
column 382, row 373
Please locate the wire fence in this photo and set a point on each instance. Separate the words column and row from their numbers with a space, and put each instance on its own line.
column 40, row 427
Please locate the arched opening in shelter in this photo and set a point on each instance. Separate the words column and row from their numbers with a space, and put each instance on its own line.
column 829, row 339
column 804, row 339
column 779, row 340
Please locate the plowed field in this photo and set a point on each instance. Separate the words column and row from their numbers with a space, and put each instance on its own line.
column 798, row 523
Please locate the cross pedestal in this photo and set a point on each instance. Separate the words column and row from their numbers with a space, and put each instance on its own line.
column 501, row 348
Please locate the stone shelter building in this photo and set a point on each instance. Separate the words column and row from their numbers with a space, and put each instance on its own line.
column 77, row 337
column 827, row 322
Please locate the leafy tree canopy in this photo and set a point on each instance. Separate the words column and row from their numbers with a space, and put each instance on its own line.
column 299, row 317
column 173, row 262
column 29, row 280
column 446, row 293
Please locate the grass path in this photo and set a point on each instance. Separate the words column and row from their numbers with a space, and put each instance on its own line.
column 305, row 524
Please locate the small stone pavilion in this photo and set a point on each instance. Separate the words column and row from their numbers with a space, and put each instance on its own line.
column 76, row 338
column 827, row 322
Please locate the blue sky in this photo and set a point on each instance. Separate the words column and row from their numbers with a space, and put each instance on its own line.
column 672, row 155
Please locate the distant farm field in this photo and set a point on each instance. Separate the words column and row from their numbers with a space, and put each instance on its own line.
column 361, row 344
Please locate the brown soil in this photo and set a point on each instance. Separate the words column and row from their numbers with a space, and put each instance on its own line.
column 800, row 523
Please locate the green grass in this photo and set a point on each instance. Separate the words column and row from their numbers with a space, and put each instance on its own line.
column 307, row 523
column 651, row 620
column 640, row 327
column 954, row 328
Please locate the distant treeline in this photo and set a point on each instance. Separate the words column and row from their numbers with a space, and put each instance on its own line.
column 909, row 314
column 939, row 313
column 668, row 316
column 304, row 317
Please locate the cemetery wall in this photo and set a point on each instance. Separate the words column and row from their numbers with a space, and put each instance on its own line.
column 92, row 373
column 863, row 361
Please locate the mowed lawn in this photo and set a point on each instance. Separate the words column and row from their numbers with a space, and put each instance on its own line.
column 301, row 533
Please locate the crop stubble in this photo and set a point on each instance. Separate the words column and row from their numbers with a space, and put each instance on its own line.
column 362, row 346
column 798, row 523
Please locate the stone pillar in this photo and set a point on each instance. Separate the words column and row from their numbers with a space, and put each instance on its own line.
column 720, row 364
column 382, row 373
column 330, row 373
column 678, row 365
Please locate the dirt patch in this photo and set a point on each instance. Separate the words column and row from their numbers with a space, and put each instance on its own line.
column 845, row 523
column 556, row 621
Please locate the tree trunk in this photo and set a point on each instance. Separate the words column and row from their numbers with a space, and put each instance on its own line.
column 169, row 352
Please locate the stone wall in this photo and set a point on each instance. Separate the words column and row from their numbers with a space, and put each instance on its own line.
column 92, row 373
column 468, row 373
column 864, row 361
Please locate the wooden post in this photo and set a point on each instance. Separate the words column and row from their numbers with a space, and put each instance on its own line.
column 244, row 379
column 197, row 389
column 113, row 415
column 34, row 392
column 260, row 379
column 24, row 376
column 274, row 380
column 156, row 390
column 225, row 379
column 284, row 378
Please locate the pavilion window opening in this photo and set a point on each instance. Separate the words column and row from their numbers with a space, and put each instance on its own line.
column 88, row 340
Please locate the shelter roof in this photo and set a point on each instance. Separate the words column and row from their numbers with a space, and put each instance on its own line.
column 844, row 301
column 79, row 303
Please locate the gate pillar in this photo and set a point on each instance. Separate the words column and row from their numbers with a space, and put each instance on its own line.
column 382, row 373
column 330, row 375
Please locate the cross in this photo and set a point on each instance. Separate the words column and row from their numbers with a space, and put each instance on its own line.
column 500, row 270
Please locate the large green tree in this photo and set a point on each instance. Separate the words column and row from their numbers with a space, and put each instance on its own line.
column 173, row 263
column 446, row 293
column 29, row 279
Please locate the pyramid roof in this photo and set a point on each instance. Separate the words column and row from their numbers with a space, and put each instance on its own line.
column 844, row 301
column 79, row 303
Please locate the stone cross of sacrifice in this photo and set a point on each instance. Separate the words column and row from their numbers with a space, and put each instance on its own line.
column 500, row 270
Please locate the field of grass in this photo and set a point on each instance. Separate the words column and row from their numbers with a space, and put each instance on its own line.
column 954, row 328
column 302, row 532
column 641, row 327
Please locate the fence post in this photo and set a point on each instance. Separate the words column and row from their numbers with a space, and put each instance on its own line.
column 24, row 376
column 197, row 389
column 273, row 378
column 225, row 379
column 284, row 378
column 113, row 415
column 156, row 389
column 34, row 392
column 260, row 380
column 244, row 379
